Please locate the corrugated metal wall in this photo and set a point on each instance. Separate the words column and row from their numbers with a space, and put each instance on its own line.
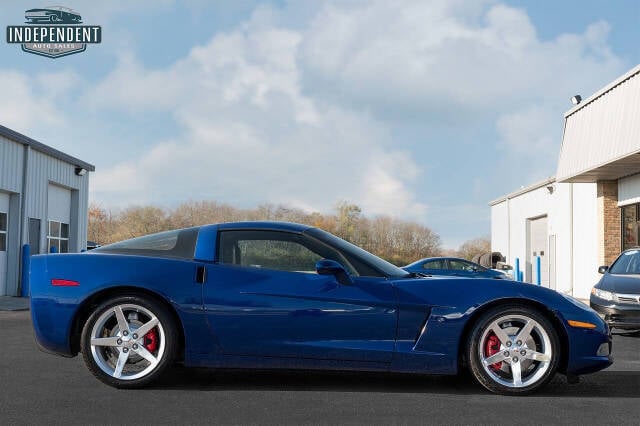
column 42, row 171
column 605, row 129
column 11, row 155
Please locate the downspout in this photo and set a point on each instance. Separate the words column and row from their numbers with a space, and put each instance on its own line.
column 571, row 266
column 571, row 239
column 22, row 216
column 509, row 230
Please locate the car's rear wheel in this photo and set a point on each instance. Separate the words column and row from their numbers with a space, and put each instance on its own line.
column 129, row 341
column 513, row 350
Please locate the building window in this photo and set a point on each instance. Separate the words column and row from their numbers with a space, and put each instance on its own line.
column 58, row 236
column 630, row 226
column 3, row 231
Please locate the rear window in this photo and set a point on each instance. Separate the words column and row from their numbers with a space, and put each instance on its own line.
column 178, row 244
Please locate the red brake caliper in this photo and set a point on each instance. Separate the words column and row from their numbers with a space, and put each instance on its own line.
column 492, row 347
column 151, row 340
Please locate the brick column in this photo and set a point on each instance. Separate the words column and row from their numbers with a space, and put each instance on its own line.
column 609, row 222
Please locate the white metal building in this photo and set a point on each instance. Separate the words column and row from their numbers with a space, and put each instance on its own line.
column 44, row 197
column 590, row 211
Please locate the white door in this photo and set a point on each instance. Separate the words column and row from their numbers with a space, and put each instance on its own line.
column 4, row 235
column 538, row 237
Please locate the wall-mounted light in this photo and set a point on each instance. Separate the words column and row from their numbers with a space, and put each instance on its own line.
column 80, row 171
column 576, row 99
column 550, row 188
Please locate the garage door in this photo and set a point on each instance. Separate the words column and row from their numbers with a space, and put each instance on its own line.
column 4, row 222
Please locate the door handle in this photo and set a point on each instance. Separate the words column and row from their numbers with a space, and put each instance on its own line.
column 201, row 274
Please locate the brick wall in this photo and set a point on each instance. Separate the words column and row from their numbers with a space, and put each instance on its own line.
column 609, row 222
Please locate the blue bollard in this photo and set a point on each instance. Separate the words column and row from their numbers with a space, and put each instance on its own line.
column 24, row 279
column 538, row 276
column 516, row 270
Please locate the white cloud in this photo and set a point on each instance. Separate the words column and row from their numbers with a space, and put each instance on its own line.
column 25, row 106
column 249, row 134
column 270, row 113
column 435, row 55
column 534, row 128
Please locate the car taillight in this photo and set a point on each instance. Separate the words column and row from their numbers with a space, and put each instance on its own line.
column 64, row 283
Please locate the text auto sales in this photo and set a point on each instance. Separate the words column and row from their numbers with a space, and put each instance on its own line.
column 54, row 34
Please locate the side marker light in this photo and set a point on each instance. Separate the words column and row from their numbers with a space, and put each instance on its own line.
column 580, row 324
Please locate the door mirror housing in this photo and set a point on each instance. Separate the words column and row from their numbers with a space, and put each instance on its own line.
column 603, row 269
column 503, row 266
column 331, row 267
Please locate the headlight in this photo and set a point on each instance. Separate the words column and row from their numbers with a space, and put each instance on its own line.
column 603, row 294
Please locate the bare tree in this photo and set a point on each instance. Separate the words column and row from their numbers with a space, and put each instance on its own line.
column 395, row 240
column 474, row 247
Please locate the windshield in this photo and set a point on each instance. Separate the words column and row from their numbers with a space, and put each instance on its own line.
column 350, row 250
column 628, row 263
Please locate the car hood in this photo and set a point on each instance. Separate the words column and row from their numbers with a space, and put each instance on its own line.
column 625, row 284
column 460, row 295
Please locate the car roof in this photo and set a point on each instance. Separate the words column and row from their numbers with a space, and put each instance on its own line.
column 429, row 259
column 55, row 7
column 271, row 225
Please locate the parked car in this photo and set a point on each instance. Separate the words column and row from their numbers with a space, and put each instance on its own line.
column 281, row 295
column 454, row 266
column 53, row 14
column 617, row 295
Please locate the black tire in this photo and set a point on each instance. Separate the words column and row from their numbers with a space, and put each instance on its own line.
column 524, row 362
column 122, row 358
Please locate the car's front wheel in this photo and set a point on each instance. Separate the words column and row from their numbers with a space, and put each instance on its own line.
column 129, row 341
column 513, row 350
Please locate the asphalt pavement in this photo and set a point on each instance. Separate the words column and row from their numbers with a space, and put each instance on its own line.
column 37, row 388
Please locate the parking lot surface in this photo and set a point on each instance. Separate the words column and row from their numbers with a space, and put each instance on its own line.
column 36, row 388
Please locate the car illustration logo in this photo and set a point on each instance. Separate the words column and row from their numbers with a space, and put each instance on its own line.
column 53, row 15
column 54, row 32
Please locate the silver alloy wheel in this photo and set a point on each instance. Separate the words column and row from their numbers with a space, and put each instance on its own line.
column 118, row 341
column 524, row 354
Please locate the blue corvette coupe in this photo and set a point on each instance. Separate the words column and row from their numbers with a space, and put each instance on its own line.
column 284, row 295
column 455, row 267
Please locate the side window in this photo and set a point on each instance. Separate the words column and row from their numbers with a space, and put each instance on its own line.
column 459, row 265
column 434, row 264
column 282, row 251
column 58, row 236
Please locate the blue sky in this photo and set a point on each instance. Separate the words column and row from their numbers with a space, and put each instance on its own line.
column 424, row 110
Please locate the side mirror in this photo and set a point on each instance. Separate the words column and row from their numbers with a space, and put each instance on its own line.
column 331, row 267
column 603, row 269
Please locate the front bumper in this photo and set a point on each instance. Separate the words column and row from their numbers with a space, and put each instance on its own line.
column 617, row 315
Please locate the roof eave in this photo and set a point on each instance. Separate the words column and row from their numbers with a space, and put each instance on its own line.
column 45, row 149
